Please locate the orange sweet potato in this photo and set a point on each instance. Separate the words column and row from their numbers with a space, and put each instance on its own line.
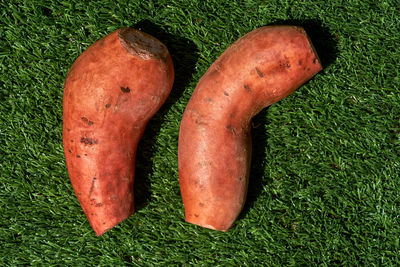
column 110, row 93
column 214, row 149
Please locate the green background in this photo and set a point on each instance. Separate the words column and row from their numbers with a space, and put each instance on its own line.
column 324, row 185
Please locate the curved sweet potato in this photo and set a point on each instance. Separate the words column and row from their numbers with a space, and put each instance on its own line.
column 214, row 151
column 111, row 92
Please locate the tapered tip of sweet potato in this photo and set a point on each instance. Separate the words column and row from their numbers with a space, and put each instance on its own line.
column 99, row 232
column 317, row 60
column 100, row 228
column 142, row 44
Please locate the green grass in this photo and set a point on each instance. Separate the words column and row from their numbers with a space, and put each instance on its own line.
column 325, row 178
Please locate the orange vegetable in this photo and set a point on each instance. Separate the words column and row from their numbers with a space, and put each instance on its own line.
column 111, row 92
column 214, row 151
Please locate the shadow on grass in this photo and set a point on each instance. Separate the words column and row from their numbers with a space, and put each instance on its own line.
column 326, row 46
column 184, row 56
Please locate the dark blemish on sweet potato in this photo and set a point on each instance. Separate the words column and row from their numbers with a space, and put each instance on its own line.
column 69, row 150
column 86, row 120
column 199, row 186
column 68, row 129
column 308, row 69
column 259, row 72
column 72, row 140
column 231, row 115
column 113, row 197
column 200, row 122
column 104, row 222
column 226, row 93
column 315, row 60
column 125, row 89
column 248, row 89
column 230, row 129
column 208, row 99
column 196, row 215
column 98, row 205
column 300, row 62
column 92, row 187
column 108, row 105
column 85, row 154
column 284, row 64
column 88, row 141
column 201, row 204
column 78, row 156
column 198, row 118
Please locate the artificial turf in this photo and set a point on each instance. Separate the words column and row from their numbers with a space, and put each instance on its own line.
column 324, row 182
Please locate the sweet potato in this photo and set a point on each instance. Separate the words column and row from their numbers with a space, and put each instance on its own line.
column 110, row 93
column 214, row 150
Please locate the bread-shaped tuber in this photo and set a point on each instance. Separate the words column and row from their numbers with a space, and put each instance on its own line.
column 111, row 92
column 214, row 151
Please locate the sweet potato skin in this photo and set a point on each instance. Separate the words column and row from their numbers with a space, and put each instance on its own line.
column 214, row 150
column 110, row 93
